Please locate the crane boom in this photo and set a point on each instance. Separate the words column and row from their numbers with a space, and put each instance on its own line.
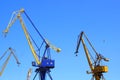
column 28, row 39
column 96, row 68
column 52, row 46
column 18, row 16
column 6, row 61
column 88, row 56
column 4, row 65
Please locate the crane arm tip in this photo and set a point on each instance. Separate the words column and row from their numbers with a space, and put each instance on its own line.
column 58, row 50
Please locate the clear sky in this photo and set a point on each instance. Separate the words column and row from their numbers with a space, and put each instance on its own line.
column 61, row 21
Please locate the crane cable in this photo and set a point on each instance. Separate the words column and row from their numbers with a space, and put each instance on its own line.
column 91, row 45
column 44, row 41
column 33, row 41
column 99, row 57
column 32, row 37
column 38, row 48
column 88, row 42
column 34, row 27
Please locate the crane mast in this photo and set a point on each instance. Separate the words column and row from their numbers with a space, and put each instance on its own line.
column 8, row 58
column 43, row 65
column 96, row 69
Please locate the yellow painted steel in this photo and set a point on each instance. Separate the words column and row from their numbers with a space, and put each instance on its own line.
column 101, row 69
column 87, row 55
column 52, row 46
column 18, row 16
column 6, row 61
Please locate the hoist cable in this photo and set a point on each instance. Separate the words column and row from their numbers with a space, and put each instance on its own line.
column 91, row 56
column 34, row 27
column 33, row 41
column 91, row 45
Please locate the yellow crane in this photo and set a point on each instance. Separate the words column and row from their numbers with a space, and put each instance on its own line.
column 6, row 61
column 45, row 62
column 97, row 69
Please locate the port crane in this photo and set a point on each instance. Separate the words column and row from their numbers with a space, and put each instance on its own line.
column 97, row 69
column 45, row 63
column 8, row 58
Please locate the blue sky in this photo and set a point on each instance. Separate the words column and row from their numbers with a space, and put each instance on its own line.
column 61, row 22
